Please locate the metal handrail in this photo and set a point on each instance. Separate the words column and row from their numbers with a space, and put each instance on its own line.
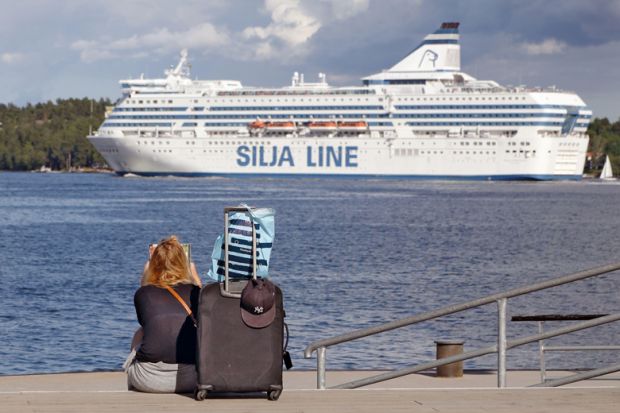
column 580, row 376
column 542, row 348
column 477, row 353
column 320, row 346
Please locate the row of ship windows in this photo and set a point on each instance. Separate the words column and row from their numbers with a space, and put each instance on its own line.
column 249, row 118
column 426, row 107
column 468, row 152
column 553, row 124
column 148, row 102
column 349, row 107
column 146, row 142
column 252, row 117
column 462, row 143
column 205, row 151
column 411, row 152
column 194, row 124
column 138, row 125
column 353, row 116
column 479, row 143
column 284, row 92
column 397, row 152
column 254, row 108
column 322, row 99
column 209, row 142
column 243, row 124
column 479, row 115
column 155, row 102
column 157, row 109
column 262, row 143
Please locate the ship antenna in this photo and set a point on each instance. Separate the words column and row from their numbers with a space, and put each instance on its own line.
column 182, row 68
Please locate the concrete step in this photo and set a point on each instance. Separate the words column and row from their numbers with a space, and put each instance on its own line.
column 474, row 392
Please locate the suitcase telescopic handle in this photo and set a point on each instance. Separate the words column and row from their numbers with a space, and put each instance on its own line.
column 227, row 211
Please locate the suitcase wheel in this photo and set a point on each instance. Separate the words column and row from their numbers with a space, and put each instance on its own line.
column 200, row 394
column 274, row 394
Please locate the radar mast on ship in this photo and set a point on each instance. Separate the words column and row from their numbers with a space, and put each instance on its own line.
column 182, row 68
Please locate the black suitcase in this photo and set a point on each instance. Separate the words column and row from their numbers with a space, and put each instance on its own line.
column 233, row 357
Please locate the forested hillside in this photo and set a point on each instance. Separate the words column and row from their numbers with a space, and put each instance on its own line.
column 604, row 140
column 53, row 134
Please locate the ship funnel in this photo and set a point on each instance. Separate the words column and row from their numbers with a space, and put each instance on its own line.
column 439, row 51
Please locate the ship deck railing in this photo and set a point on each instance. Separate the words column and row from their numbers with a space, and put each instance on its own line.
column 301, row 91
column 501, row 299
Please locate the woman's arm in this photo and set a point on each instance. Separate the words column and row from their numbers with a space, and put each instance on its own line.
column 143, row 278
column 194, row 275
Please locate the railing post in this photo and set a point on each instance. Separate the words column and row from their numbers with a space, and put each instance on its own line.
column 320, row 368
column 501, row 343
column 541, row 352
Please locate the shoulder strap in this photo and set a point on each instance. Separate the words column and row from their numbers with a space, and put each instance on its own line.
column 183, row 303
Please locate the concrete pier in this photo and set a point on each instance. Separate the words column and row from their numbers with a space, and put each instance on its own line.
column 474, row 392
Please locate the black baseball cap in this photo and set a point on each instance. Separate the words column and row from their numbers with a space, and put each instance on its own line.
column 258, row 303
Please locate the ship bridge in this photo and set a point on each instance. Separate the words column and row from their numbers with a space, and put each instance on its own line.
column 177, row 80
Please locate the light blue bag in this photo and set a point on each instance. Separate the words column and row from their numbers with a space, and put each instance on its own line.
column 240, row 244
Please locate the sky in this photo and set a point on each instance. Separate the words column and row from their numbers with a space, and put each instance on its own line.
column 52, row 49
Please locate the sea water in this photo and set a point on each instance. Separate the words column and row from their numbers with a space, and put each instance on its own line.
column 348, row 254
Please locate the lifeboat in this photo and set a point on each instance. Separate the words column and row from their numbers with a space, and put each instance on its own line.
column 323, row 126
column 281, row 126
column 353, row 126
column 257, row 124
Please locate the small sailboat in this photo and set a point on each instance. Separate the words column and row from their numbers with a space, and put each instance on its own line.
column 606, row 172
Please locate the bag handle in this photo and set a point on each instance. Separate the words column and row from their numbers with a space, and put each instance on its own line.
column 183, row 303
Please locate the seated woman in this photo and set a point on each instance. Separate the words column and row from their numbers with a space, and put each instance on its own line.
column 164, row 348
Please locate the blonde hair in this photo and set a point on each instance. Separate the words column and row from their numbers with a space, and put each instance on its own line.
column 168, row 265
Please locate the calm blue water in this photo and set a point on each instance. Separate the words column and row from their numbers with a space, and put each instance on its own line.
column 348, row 254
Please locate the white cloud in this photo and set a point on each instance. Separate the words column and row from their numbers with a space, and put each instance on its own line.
column 342, row 9
column 263, row 50
column 295, row 22
column 290, row 23
column 202, row 36
column 10, row 58
column 546, row 47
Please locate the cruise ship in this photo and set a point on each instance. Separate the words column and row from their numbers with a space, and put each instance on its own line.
column 423, row 118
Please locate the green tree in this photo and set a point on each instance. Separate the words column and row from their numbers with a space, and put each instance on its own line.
column 604, row 140
column 50, row 133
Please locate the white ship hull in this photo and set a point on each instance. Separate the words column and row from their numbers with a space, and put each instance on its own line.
column 423, row 118
column 439, row 158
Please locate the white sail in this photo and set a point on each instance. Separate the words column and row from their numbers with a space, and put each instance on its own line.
column 607, row 173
